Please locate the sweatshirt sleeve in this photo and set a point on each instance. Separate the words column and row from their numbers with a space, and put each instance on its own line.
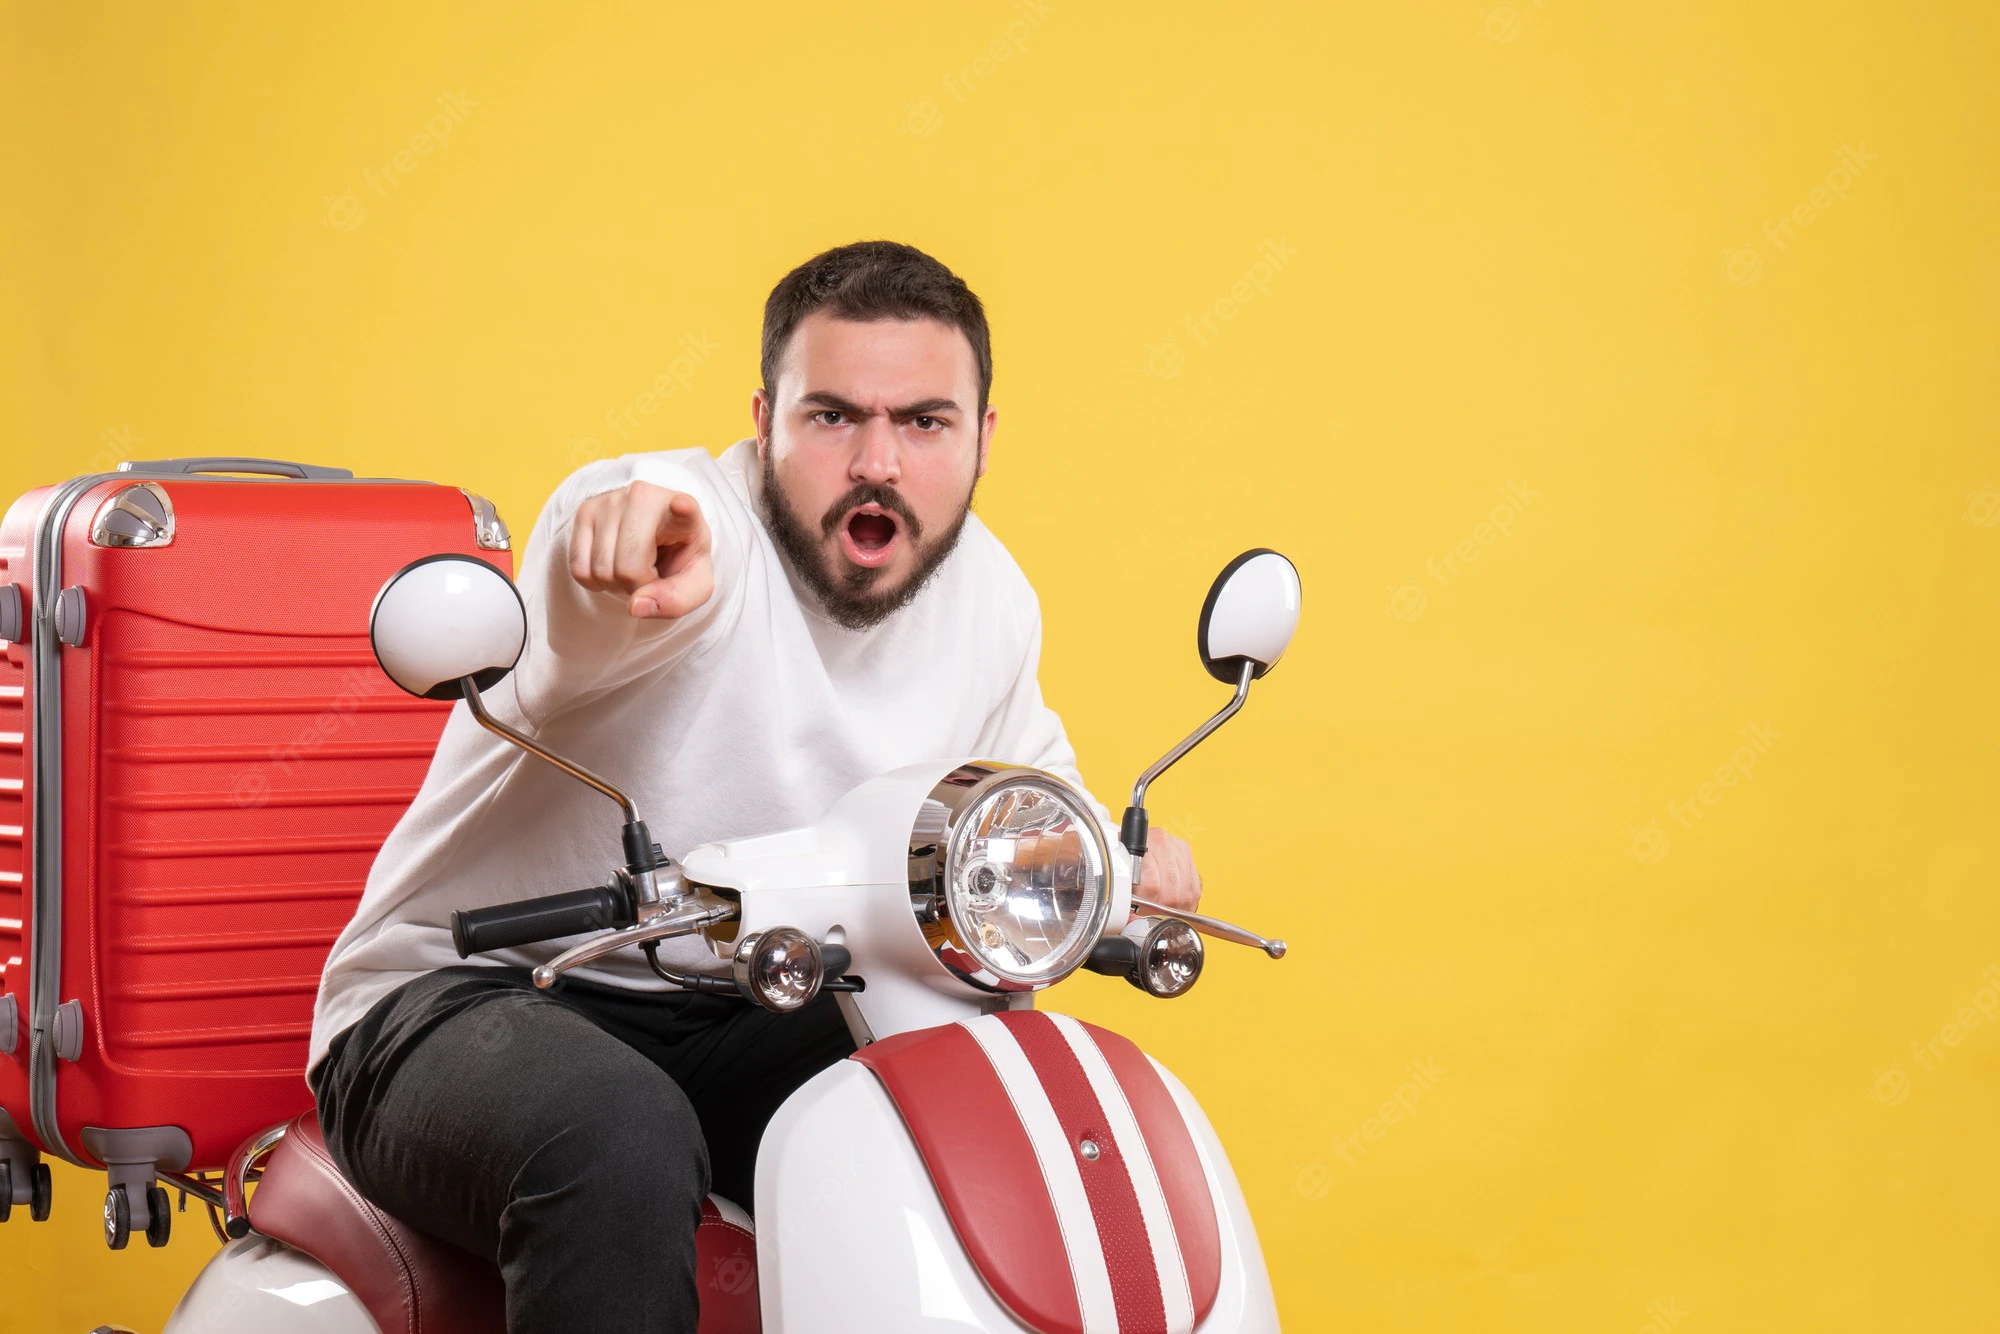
column 1025, row 730
column 582, row 644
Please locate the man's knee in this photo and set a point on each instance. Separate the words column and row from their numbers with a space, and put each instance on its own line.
column 643, row 1150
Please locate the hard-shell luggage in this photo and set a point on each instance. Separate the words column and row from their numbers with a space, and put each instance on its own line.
column 198, row 762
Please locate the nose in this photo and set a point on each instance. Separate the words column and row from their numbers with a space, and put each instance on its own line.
column 878, row 459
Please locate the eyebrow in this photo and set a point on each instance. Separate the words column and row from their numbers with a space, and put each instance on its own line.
column 921, row 408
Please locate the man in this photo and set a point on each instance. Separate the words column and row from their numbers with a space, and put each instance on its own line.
column 737, row 642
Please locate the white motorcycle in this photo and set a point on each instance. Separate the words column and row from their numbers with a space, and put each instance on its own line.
column 977, row 1165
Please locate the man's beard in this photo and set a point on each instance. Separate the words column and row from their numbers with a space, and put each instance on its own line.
column 851, row 599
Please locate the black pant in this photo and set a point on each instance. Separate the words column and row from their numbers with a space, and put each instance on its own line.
column 567, row 1135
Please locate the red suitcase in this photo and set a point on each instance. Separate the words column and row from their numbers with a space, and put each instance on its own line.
column 198, row 762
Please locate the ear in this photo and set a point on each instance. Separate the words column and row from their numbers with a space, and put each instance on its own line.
column 760, row 417
column 986, row 427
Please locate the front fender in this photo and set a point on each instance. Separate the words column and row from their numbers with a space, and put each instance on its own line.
column 852, row 1235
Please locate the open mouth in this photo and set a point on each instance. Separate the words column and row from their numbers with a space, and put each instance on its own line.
column 869, row 535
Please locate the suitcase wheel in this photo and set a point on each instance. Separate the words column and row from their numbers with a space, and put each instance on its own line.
column 40, row 1188
column 117, row 1218
column 159, row 1216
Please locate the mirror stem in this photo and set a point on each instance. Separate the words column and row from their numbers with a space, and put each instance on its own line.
column 578, row 772
column 1132, row 832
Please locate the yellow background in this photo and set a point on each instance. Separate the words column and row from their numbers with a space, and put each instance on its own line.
column 1682, row 1079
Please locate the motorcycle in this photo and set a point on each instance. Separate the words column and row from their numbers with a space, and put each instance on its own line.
column 978, row 1164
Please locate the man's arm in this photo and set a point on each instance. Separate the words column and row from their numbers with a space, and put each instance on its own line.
column 632, row 561
column 1028, row 731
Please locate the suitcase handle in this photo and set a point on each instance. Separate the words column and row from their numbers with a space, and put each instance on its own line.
column 235, row 463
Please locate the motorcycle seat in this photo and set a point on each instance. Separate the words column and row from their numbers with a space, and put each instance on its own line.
column 414, row 1284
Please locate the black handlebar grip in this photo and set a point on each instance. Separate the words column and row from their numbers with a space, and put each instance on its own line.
column 551, row 917
column 836, row 959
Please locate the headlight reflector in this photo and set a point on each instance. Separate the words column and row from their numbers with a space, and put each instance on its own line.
column 1025, row 875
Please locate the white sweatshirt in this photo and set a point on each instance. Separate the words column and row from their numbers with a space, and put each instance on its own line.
column 751, row 715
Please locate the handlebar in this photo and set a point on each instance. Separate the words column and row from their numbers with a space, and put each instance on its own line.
column 550, row 917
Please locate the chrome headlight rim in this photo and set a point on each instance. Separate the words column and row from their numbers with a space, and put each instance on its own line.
column 939, row 818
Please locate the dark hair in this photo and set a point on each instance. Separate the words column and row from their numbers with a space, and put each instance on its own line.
column 876, row 280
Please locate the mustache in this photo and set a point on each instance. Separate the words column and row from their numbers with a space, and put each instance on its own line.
column 864, row 494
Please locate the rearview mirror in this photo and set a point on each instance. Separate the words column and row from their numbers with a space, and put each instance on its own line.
column 1250, row 615
column 1246, row 624
column 444, row 618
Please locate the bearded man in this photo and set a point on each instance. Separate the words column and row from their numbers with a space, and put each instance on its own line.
column 737, row 641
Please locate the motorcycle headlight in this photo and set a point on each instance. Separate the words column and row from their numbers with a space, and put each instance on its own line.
column 1015, row 867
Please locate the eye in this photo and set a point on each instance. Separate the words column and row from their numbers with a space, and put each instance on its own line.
column 827, row 417
column 928, row 423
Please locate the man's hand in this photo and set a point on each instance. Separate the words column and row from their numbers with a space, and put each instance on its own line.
column 1167, row 875
column 647, row 542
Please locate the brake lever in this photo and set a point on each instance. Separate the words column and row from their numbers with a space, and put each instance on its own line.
column 680, row 921
column 1215, row 926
